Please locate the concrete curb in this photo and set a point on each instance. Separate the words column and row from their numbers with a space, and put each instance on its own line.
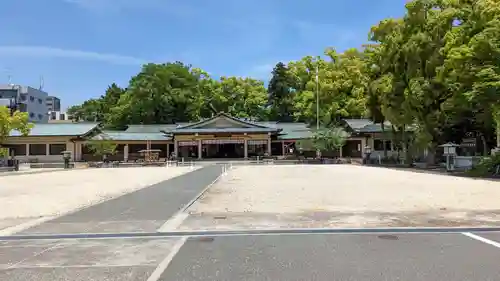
column 295, row 231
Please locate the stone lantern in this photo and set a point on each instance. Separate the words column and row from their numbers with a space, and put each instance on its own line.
column 450, row 151
column 66, row 157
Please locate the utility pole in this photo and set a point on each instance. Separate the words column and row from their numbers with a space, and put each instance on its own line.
column 317, row 97
column 318, row 152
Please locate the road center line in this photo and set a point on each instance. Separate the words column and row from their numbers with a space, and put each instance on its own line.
column 482, row 239
column 165, row 262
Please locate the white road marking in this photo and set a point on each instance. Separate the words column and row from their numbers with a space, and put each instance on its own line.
column 177, row 219
column 164, row 263
column 23, row 226
column 174, row 222
column 34, row 256
column 482, row 239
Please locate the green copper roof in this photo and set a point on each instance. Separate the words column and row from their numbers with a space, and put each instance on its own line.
column 296, row 135
column 59, row 129
column 365, row 125
column 157, row 128
column 222, row 114
column 223, row 130
column 127, row 136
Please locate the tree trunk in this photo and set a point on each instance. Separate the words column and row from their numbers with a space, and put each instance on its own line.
column 485, row 145
column 406, row 149
column 384, row 142
column 431, row 154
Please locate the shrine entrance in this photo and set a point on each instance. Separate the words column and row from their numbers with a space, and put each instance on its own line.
column 223, row 149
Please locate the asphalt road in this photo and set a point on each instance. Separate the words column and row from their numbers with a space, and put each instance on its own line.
column 286, row 257
column 144, row 210
column 373, row 257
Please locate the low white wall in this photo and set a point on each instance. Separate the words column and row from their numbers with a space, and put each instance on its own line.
column 375, row 154
column 41, row 158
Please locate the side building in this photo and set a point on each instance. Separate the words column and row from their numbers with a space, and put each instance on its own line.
column 59, row 117
column 221, row 136
column 26, row 99
column 53, row 103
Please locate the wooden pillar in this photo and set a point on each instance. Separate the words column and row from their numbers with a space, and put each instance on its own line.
column 199, row 149
column 245, row 147
column 176, row 148
column 125, row 153
column 269, row 145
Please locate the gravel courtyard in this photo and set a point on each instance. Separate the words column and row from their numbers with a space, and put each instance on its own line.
column 25, row 198
column 254, row 197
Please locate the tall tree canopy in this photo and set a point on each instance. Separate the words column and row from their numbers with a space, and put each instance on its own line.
column 435, row 69
column 280, row 91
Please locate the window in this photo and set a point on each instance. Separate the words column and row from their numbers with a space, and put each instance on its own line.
column 40, row 116
column 57, row 148
column 23, row 97
column 61, row 116
column 378, row 145
column 40, row 101
column 38, row 149
column 32, row 115
column 18, row 149
column 23, row 107
column 53, row 115
column 32, row 98
column 388, row 145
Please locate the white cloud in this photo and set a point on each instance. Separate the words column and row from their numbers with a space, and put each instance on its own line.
column 50, row 52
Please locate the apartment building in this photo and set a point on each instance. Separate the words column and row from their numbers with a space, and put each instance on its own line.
column 53, row 103
column 25, row 99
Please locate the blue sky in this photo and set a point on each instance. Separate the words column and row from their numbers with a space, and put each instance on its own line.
column 81, row 46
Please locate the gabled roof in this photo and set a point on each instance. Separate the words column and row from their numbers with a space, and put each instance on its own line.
column 221, row 115
column 59, row 129
column 224, row 130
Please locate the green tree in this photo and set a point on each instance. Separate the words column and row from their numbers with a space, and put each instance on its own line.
column 13, row 121
column 472, row 68
column 329, row 139
column 160, row 93
column 341, row 87
column 102, row 147
column 89, row 111
column 280, row 94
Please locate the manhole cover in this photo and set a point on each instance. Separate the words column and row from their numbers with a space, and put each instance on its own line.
column 205, row 239
column 388, row 237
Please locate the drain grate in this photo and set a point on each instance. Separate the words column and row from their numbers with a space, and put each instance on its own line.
column 388, row 237
column 204, row 239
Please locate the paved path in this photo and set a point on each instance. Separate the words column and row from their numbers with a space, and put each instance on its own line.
column 451, row 256
column 370, row 257
column 144, row 210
